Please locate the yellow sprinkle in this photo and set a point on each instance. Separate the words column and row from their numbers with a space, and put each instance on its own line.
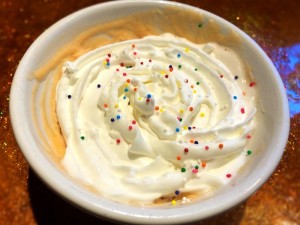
column 194, row 91
column 126, row 85
column 186, row 49
column 161, row 110
column 104, row 62
column 116, row 105
column 173, row 202
column 140, row 98
column 181, row 110
column 202, row 114
column 185, row 127
column 162, row 72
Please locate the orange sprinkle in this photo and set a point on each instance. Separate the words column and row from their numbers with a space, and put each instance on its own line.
column 203, row 164
column 192, row 141
column 128, row 80
column 135, row 89
column 178, row 157
column 192, row 86
column 191, row 108
column 105, row 105
column 221, row 146
column 156, row 107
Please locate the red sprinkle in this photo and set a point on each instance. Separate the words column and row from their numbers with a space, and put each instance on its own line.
column 191, row 108
column 252, row 84
column 166, row 76
column 206, row 147
column 130, row 127
column 133, row 122
column 122, row 64
column 109, row 55
column 228, row 175
column 135, row 53
column 118, row 141
column 124, row 74
column 148, row 100
column 248, row 136
column 243, row 110
column 186, row 150
column 221, row 76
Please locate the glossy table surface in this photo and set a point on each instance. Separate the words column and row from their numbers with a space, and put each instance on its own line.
column 273, row 24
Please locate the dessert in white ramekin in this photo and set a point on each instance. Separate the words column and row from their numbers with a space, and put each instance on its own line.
column 30, row 95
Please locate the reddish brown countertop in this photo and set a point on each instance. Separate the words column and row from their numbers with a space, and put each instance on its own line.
column 273, row 24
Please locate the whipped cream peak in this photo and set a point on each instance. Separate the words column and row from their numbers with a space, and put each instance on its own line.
column 146, row 117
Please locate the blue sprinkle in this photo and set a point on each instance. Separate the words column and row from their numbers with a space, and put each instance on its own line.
column 178, row 55
column 149, row 96
column 234, row 97
column 177, row 129
column 118, row 117
column 108, row 64
column 196, row 142
column 124, row 97
column 177, row 192
column 126, row 89
column 112, row 120
column 189, row 128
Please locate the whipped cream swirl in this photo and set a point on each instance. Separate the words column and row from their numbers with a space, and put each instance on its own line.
column 155, row 116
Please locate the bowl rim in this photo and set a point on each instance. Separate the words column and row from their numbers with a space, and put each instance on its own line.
column 116, row 211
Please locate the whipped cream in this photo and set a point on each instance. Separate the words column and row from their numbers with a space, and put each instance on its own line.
column 157, row 116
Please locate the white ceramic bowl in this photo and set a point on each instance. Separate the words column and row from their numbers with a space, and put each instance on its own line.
column 271, row 134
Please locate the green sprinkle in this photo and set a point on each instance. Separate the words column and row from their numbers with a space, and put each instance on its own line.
column 249, row 152
column 196, row 167
column 183, row 169
column 199, row 25
column 198, row 83
column 179, row 66
column 82, row 137
column 196, row 69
